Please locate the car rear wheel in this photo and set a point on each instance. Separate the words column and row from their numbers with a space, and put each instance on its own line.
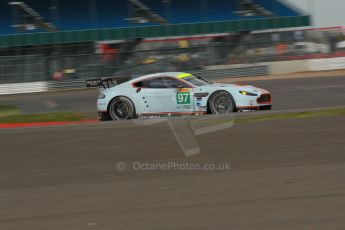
column 121, row 108
column 221, row 103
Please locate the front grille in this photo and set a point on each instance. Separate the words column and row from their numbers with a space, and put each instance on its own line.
column 264, row 98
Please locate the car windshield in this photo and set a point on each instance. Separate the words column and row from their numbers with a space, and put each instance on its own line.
column 197, row 81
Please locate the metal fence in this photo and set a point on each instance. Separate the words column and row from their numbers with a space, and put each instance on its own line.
column 208, row 74
column 28, row 68
column 74, row 63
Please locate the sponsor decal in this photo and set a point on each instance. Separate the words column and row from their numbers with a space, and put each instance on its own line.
column 183, row 107
column 246, row 110
column 202, row 108
column 93, row 83
column 148, row 116
column 183, row 98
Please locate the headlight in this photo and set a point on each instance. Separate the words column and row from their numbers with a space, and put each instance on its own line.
column 101, row 96
column 247, row 93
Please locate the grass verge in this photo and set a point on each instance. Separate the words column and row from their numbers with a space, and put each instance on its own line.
column 45, row 117
column 291, row 115
column 8, row 110
column 13, row 117
column 255, row 118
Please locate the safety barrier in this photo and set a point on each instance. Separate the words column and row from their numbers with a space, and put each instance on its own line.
column 256, row 70
column 68, row 84
column 17, row 88
column 327, row 64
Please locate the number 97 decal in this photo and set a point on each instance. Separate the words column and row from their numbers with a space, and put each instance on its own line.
column 183, row 97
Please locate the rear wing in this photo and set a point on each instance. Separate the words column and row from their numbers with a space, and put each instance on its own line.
column 105, row 83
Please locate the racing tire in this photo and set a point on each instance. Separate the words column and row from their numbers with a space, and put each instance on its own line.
column 121, row 108
column 221, row 102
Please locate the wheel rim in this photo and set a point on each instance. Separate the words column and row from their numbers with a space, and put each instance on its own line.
column 223, row 104
column 121, row 110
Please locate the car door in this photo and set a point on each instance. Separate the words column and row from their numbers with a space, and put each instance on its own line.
column 168, row 95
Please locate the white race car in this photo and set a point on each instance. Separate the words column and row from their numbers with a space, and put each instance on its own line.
column 174, row 93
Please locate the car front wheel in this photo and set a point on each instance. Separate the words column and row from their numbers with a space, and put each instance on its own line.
column 221, row 103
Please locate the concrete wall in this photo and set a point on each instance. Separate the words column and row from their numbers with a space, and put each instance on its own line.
column 17, row 88
column 326, row 64
column 286, row 67
column 294, row 66
column 283, row 67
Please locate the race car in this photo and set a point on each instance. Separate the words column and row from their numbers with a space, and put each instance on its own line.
column 173, row 93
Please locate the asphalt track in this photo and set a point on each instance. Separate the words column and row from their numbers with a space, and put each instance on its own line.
column 300, row 93
column 284, row 174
